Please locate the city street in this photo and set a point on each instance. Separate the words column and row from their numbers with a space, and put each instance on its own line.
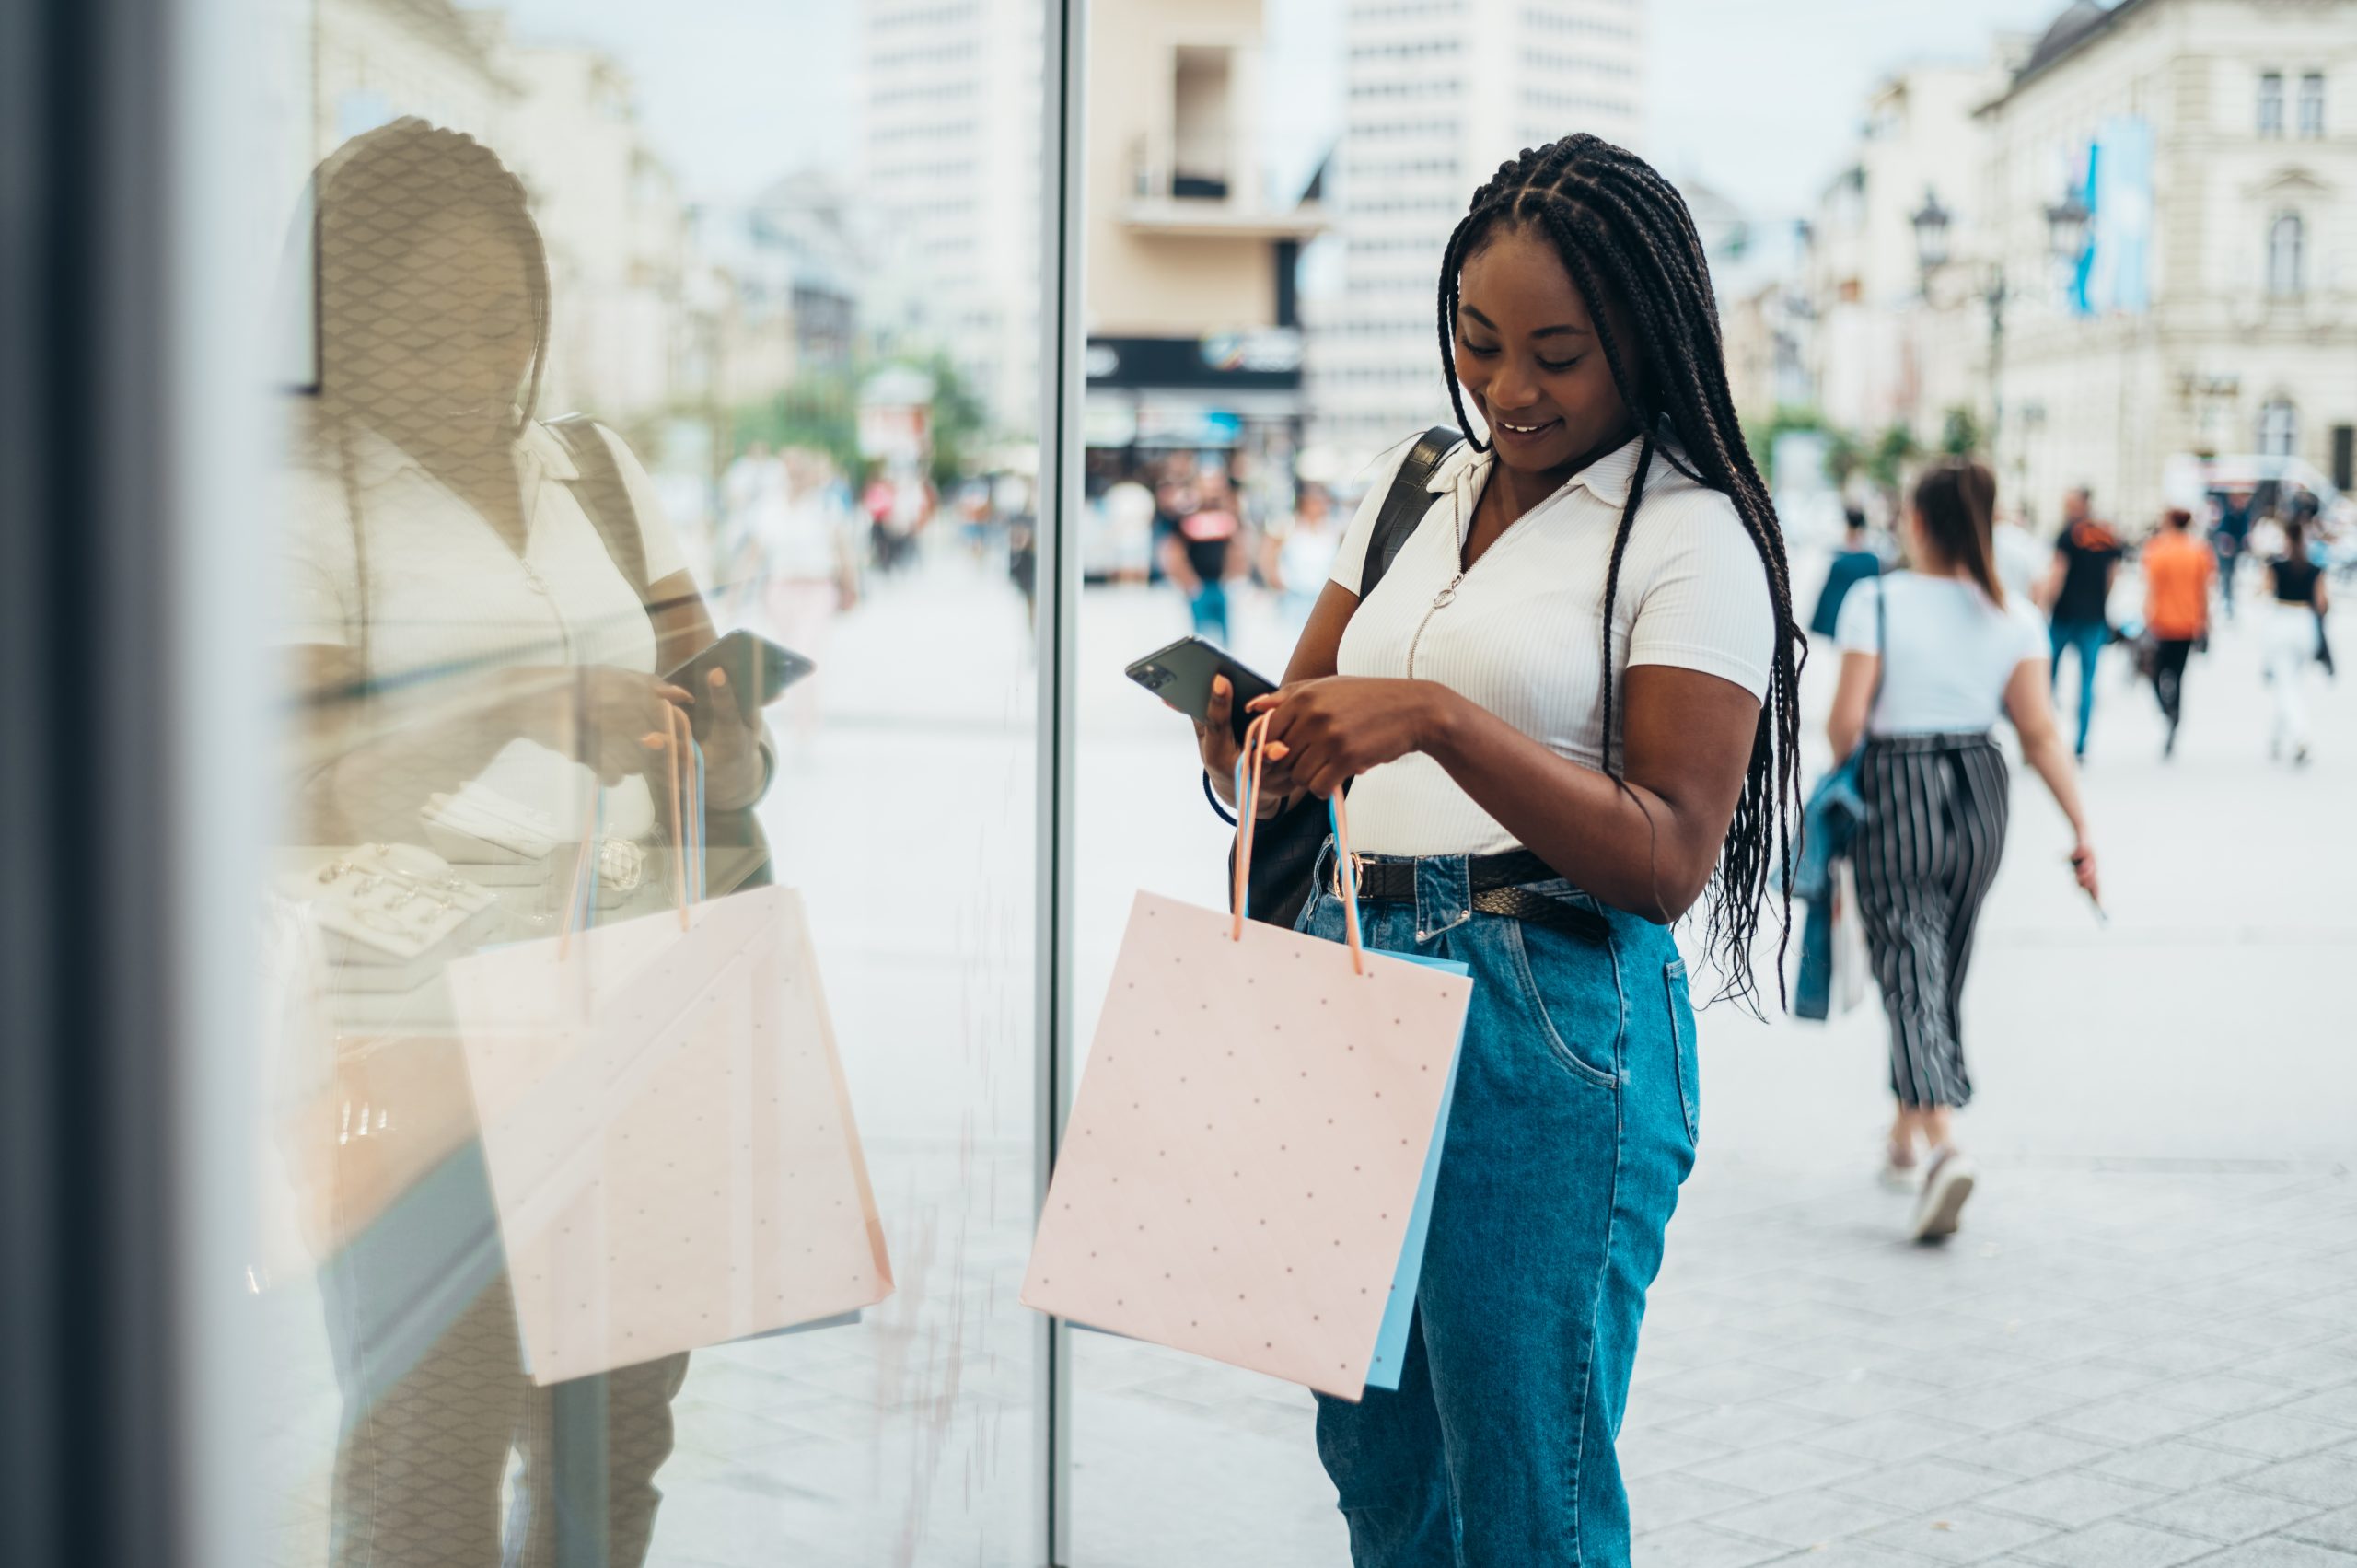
column 2141, row 1350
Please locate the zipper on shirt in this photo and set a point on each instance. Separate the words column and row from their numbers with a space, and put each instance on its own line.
column 1440, row 602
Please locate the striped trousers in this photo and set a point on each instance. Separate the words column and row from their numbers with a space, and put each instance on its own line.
column 1934, row 829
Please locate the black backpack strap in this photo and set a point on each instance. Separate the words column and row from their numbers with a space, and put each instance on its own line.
column 1405, row 505
column 605, row 497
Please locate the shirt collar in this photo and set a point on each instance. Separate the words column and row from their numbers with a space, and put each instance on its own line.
column 376, row 460
column 1606, row 479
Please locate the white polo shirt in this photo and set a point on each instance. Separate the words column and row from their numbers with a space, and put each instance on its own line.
column 448, row 600
column 1521, row 633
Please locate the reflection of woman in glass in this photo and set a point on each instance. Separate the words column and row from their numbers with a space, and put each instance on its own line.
column 476, row 603
column 1568, row 712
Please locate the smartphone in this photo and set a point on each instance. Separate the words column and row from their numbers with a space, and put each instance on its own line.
column 758, row 670
column 1181, row 676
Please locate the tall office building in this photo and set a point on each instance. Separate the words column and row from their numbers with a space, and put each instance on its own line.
column 949, row 190
column 1440, row 92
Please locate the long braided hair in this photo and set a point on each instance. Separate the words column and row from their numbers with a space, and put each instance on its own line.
column 1624, row 235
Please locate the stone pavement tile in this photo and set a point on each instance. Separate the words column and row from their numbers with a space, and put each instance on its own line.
column 2071, row 1499
column 2273, row 1434
column 1806, row 1519
column 1918, row 1485
column 1958, row 1534
column 2276, row 1553
column 1891, row 1437
column 1995, row 1407
column 1677, row 1497
column 2336, row 1405
column 2130, row 1418
column 2178, row 1464
column 2227, row 1393
column 1700, row 1546
column 1780, row 1467
column 1728, row 1383
column 1861, row 1394
column 1646, row 1450
column 1836, row 1355
column 2328, row 1480
column 1965, row 1366
column 2116, row 1543
column 2026, row 1450
column 1851, row 1554
column 2223, row 1513
column 2097, row 1378
column 2337, row 1529
column 1749, row 1426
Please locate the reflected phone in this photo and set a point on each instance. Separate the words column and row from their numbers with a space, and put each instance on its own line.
column 1181, row 676
column 758, row 670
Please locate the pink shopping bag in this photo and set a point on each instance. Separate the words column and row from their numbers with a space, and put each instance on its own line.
column 1252, row 1151
column 663, row 1117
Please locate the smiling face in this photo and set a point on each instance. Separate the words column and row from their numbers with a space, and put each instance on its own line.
column 1527, row 355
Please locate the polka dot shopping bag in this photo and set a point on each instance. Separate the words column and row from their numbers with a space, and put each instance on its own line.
column 1248, row 1167
column 669, row 1139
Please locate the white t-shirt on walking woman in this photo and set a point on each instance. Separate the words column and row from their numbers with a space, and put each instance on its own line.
column 1951, row 651
column 1521, row 633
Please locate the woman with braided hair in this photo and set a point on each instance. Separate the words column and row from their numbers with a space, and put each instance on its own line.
column 1566, row 716
column 470, row 600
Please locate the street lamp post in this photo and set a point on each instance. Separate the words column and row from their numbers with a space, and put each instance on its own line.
column 2066, row 236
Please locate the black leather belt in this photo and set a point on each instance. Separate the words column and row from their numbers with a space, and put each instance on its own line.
column 1499, row 887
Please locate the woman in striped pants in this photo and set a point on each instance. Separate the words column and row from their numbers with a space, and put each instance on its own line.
column 1931, row 658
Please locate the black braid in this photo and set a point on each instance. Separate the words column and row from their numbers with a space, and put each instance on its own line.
column 1624, row 235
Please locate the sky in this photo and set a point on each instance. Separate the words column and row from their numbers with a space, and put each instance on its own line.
column 1759, row 100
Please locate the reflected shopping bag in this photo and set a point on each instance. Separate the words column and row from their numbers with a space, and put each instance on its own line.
column 1250, row 1163
column 671, row 1142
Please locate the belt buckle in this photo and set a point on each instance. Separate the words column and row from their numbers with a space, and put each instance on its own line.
column 1358, row 873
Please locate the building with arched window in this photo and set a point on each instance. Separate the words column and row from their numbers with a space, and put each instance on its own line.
column 2214, row 306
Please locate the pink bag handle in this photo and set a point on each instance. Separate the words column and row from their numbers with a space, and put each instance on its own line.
column 1256, row 741
column 680, row 746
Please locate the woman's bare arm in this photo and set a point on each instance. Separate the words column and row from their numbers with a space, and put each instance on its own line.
column 1845, row 723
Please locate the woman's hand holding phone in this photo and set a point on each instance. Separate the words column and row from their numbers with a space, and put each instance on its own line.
column 1216, row 739
column 731, row 740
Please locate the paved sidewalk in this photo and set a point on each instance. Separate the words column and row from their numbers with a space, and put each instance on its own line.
column 2132, row 1365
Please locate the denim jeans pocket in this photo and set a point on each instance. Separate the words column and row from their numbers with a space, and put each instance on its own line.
column 1576, row 997
column 1681, row 1034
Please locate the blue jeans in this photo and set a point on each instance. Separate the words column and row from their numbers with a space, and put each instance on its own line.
column 1572, row 1127
column 1208, row 607
column 2087, row 637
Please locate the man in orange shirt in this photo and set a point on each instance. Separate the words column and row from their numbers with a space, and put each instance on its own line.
column 2178, row 574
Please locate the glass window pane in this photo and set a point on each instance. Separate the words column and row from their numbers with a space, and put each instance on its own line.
column 648, row 1158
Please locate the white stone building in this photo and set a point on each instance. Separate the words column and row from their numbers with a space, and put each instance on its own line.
column 1884, row 353
column 2218, row 310
column 1440, row 92
column 949, row 187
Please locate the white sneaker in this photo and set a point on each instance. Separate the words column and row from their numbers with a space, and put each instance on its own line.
column 1899, row 1172
column 1946, row 1187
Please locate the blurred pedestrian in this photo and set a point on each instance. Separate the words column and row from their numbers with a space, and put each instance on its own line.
column 2020, row 562
column 1203, row 553
column 1853, row 563
column 2178, row 573
column 1295, row 566
column 1938, row 654
column 2077, row 595
column 2227, row 538
column 2293, row 637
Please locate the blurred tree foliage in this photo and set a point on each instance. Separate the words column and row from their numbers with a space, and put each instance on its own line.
column 1892, row 452
column 1960, row 433
column 821, row 412
column 1760, row 434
